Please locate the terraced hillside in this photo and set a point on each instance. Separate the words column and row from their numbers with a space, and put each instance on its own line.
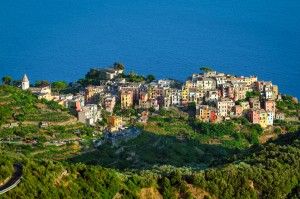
column 17, row 105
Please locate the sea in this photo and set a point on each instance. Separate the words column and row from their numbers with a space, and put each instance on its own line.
column 63, row 39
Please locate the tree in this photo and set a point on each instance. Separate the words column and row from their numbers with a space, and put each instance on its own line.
column 119, row 65
column 252, row 94
column 132, row 74
column 150, row 78
column 205, row 69
column 7, row 79
column 151, row 109
column 16, row 83
column 163, row 112
column 41, row 82
column 192, row 104
column 117, row 109
column 59, row 85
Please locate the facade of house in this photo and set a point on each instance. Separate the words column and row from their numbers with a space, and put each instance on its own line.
column 254, row 103
column 263, row 116
column 254, row 115
column 271, row 116
column 245, row 106
column 92, row 93
column 212, row 95
column 107, row 73
column 126, row 97
column 202, row 113
column 176, row 96
column 109, row 103
column 154, row 104
column 89, row 114
column 270, row 106
column 224, row 106
column 238, row 111
column 114, row 123
column 206, row 113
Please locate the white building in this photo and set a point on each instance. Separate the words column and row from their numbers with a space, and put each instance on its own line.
column 176, row 96
column 206, row 83
column 224, row 106
column 271, row 117
column 89, row 114
column 25, row 83
column 193, row 95
column 164, row 83
column 268, row 94
column 212, row 95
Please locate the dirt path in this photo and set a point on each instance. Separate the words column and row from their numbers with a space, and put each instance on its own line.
column 71, row 121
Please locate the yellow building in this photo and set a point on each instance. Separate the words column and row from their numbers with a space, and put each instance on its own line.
column 202, row 113
column 184, row 92
column 189, row 84
column 275, row 90
column 126, row 99
column 150, row 91
column 245, row 105
column 46, row 96
column 263, row 116
column 114, row 123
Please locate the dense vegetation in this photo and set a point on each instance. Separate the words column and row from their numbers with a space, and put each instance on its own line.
column 288, row 106
column 263, row 171
column 149, row 150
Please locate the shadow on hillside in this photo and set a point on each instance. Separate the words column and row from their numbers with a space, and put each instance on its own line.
column 286, row 139
column 150, row 149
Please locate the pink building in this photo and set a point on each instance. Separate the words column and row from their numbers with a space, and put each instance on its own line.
column 78, row 106
column 143, row 96
column 238, row 110
column 254, row 116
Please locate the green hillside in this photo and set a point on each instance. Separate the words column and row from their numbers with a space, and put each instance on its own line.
column 17, row 105
column 170, row 158
column 264, row 171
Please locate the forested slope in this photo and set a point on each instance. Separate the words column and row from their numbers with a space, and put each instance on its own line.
column 264, row 171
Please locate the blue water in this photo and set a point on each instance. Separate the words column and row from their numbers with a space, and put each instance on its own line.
column 62, row 39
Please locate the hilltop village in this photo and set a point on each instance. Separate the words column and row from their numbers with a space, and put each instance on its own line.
column 174, row 139
column 214, row 96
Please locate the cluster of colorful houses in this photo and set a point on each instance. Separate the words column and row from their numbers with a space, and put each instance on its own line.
column 217, row 97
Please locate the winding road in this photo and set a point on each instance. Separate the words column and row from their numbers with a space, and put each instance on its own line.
column 14, row 180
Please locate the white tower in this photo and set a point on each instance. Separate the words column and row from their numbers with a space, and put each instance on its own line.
column 25, row 83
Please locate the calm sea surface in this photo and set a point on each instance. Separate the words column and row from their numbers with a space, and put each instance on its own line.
column 62, row 39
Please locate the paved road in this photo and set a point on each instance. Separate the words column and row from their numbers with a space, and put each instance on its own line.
column 14, row 180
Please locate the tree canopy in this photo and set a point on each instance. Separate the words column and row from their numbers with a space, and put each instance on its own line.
column 150, row 78
column 119, row 65
column 7, row 79
column 205, row 69
column 41, row 82
column 59, row 85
